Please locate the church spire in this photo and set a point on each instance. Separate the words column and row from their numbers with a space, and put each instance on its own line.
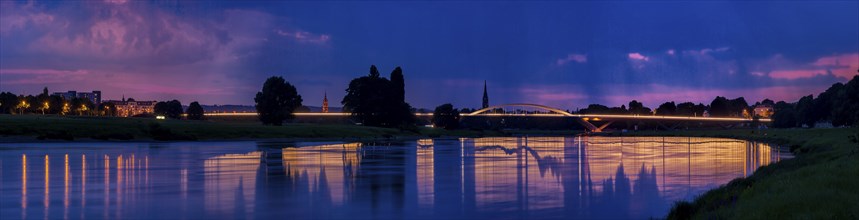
column 485, row 96
column 325, row 103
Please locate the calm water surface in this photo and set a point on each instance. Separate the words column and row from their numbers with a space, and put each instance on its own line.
column 481, row 178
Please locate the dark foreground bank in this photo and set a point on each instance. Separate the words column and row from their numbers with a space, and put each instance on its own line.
column 821, row 182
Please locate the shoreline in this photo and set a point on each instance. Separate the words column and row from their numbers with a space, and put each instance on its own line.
column 823, row 177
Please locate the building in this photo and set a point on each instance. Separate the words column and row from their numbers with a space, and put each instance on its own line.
column 325, row 103
column 764, row 111
column 485, row 96
column 131, row 107
column 94, row 96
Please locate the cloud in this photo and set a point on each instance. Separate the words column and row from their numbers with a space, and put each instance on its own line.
column 578, row 58
column 637, row 56
column 779, row 67
column 304, row 36
column 51, row 72
column 128, row 47
column 40, row 77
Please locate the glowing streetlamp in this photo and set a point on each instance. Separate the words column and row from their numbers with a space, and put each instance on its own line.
column 82, row 109
column 66, row 108
column 23, row 105
column 45, row 106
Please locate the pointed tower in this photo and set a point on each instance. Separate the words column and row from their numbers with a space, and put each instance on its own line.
column 485, row 96
column 325, row 103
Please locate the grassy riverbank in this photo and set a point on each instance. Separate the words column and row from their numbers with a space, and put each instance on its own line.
column 38, row 127
column 822, row 182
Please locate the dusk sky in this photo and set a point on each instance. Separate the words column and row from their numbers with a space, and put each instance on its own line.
column 561, row 54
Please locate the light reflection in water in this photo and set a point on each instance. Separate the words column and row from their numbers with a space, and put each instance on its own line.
column 229, row 184
column 46, row 199
column 24, row 186
column 66, row 188
column 83, row 183
column 537, row 177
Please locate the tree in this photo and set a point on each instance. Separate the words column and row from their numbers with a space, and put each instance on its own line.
column 637, row 108
column 845, row 103
column 785, row 115
column 277, row 101
column 805, row 111
column 824, row 102
column 720, row 107
column 43, row 101
column 107, row 109
column 195, row 111
column 739, row 107
column 57, row 104
column 81, row 106
column 376, row 101
column 8, row 101
column 667, row 108
column 170, row 109
column 445, row 116
column 618, row 110
column 399, row 84
column 595, row 109
column 690, row 109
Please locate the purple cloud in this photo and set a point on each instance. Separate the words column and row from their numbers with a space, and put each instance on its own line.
column 578, row 58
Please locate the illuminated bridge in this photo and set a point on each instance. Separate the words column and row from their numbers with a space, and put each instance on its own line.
column 586, row 120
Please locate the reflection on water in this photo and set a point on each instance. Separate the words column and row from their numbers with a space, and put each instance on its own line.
column 536, row 177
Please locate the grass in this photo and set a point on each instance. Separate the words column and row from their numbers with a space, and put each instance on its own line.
column 821, row 182
column 43, row 127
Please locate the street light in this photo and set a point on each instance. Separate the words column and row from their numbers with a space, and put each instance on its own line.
column 23, row 106
column 45, row 106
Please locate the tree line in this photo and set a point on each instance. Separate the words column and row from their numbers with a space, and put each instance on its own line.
column 838, row 105
column 372, row 100
column 47, row 104
column 44, row 103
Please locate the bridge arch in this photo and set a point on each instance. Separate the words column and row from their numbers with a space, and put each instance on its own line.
column 555, row 110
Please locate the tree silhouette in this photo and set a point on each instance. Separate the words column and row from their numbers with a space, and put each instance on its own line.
column 374, row 72
column 170, row 109
column 399, row 85
column 637, row 108
column 195, row 111
column 445, row 116
column 805, row 111
column 107, row 109
column 784, row 116
column 667, row 108
column 595, row 109
column 277, row 100
column 376, row 101
column 8, row 101
column 720, row 107
column 685, row 109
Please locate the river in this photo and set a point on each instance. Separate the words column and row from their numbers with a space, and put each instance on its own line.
column 467, row 178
